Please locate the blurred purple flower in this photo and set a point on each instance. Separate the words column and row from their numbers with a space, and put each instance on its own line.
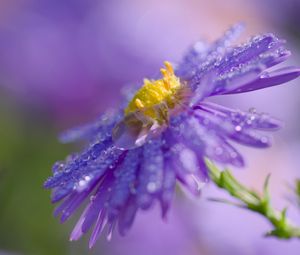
column 61, row 56
column 125, row 179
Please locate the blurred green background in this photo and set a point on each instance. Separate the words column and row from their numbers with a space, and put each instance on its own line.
column 27, row 150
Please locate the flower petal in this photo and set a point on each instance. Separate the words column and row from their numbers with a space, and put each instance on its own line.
column 151, row 173
column 251, row 119
column 127, row 216
column 101, row 127
column 244, row 135
column 100, row 223
column 82, row 170
column 203, row 54
column 168, row 187
column 125, row 178
column 269, row 79
column 237, row 67
column 207, row 142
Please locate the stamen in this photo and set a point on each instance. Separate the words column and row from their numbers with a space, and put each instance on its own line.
column 166, row 84
column 147, row 81
column 164, row 72
column 157, row 92
column 169, row 67
column 139, row 104
column 154, row 93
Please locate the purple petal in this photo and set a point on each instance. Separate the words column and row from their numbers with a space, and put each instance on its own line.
column 101, row 127
column 168, row 188
column 70, row 209
column 77, row 133
column 100, row 223
column 82, row 169
column 111, row 226
column 203, row 54
column 65, row 204
column 250, row 119
column 226, row 40
column 249, row 52
column 96, row 204
column 235, row 79
column 151, row 173
column 125, row 176
column 237, row 67
column 127, row 216
column 240, row 134
column 185, row 165
column 77, row 232
column 61, row 192
column 213, row 145
column 269, row 79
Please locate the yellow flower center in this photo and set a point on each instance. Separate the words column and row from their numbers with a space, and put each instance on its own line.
column 148, row 113
column 156, row 95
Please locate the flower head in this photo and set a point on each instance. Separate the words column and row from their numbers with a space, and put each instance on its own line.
column 135, row 155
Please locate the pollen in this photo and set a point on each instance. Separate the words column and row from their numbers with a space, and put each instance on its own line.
column 155, row 93
column 139, row 104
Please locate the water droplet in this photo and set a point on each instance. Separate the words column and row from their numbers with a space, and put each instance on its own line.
column 87, row 178
column 151, row 187
column 271, row 45
column 67, row 170
column 58, row 167
column 265, row 75
column 264, row 139
column 66, row 213
column 238, row 128
column 82, row 183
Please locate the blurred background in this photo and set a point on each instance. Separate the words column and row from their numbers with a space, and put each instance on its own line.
column 62, row 62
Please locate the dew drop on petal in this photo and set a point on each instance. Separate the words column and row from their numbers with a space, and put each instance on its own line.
column 238, row 128
column 58, row 167
column 264, row 139
column 82, row 183
column 87, row 178
column 67, row 170
column 151, row 187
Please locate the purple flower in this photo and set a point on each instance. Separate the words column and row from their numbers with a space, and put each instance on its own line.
column 137, row 153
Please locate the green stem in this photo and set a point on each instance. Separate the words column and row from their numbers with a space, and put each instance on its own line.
column 251, row 200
